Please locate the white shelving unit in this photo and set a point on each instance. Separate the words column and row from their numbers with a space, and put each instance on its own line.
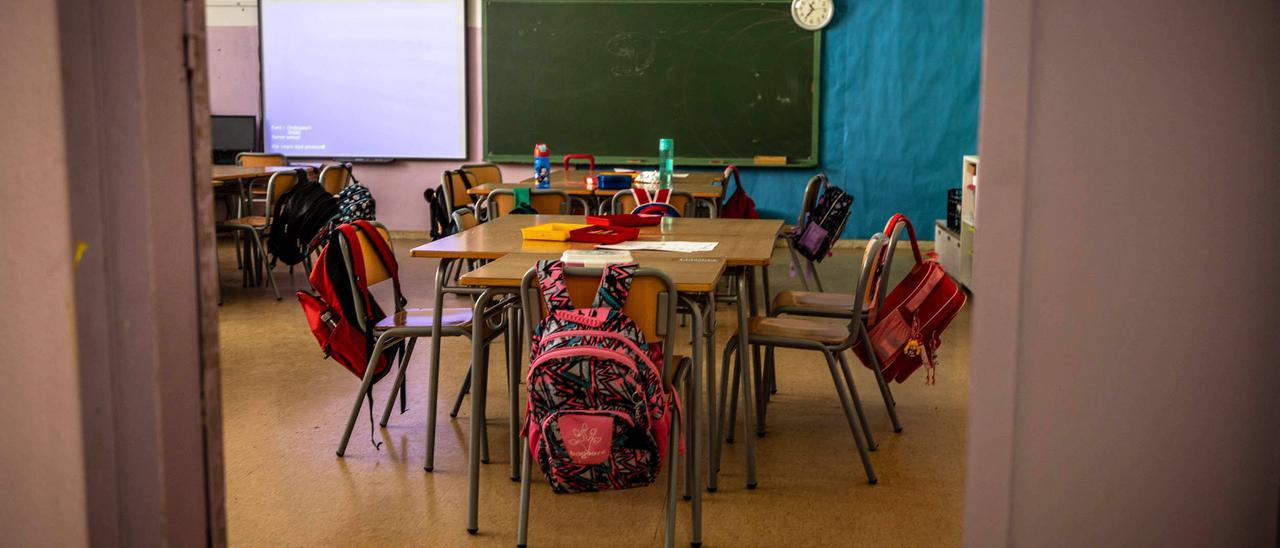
column 955, row 250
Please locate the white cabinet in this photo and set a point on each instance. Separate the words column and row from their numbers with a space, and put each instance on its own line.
column 955, row 250
column 947, row 244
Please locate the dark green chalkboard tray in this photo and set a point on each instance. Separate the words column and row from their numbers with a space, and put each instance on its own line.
column 731, row 81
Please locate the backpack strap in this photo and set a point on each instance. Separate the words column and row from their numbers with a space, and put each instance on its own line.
column 615, row 285
column 356, row 252
column 911, row 232
column 551, row 282
column 385, row 255
column 731, row 176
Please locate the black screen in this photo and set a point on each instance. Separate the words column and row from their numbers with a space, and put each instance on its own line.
column 235, row 133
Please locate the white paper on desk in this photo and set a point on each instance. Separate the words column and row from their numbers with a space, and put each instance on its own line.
column 679, row 175
column 623, row 170
column 677, row 247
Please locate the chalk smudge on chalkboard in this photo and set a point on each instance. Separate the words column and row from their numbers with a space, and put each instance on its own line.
column 634, row 52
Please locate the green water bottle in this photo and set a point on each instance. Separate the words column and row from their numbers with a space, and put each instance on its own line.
column 666, row 162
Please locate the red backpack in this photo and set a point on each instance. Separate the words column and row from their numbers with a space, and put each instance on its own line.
column 906, row 330
column 738, row 205
column 332, row 313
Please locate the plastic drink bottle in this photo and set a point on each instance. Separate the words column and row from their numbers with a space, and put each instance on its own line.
column 666, row 162
column 542, row 165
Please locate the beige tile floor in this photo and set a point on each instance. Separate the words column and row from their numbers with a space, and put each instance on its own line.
column 284, row 406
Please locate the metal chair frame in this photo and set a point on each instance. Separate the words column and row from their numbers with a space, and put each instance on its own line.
column 256, row 233
column 833, row 353
column 388, row 337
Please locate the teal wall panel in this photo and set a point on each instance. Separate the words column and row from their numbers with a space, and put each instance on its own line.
column 899, row 109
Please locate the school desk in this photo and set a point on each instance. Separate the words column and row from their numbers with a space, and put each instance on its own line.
column 742, row 244
column 703, row 185
column 225, row 174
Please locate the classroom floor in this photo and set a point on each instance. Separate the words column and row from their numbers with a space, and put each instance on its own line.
column 284, row 407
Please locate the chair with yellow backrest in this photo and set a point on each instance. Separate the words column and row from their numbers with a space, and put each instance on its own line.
column 650, row 304
column 546, row 201
column 464, row 219
column 454, row 185
column 261, row 159
column 256, row 226
column 404, row 324
column 483, row 174
column 256, row 190
column 625, row 202
column 829, row 338
column 334, row 178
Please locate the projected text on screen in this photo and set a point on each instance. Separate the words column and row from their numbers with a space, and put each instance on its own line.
column 367, row 79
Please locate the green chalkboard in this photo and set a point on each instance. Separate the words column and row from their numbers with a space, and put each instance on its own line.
column 729, row 80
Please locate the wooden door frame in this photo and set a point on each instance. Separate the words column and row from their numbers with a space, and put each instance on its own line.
column 135, row 93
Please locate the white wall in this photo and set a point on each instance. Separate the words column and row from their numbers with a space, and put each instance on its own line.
column 1126, row 353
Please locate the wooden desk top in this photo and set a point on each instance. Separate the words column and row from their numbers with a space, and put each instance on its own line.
column 742, row 242
column 702, row 184
column 232, row 173
column 691, row 274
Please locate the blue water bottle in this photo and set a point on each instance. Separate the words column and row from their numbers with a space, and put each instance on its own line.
column 666, row 162
column 542, row 165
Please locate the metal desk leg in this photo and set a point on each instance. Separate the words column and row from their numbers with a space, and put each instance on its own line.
column 479, row 386
column 748, row 390
column 713, row 418
column 433, row 382
column 694, row 423
column 515, row 334
column 752, row 362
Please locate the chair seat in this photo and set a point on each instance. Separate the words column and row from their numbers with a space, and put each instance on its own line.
column 423, row 317
column 835, row 303
column 256, row 221
column 800, row 328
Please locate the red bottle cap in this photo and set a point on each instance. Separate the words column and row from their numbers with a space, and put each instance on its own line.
column 541, row 150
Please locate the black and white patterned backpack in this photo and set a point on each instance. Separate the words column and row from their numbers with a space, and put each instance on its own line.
column 355, row 202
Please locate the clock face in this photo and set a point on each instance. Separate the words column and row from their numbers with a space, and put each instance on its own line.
column 812, row 14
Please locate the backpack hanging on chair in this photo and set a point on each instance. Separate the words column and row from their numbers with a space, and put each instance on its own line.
column 598, row 415
column 906, row 330
column 825, row 222
column 738, row 205
column 658, row 203
column 300, row 221
column 332, row 313
column 355, row 201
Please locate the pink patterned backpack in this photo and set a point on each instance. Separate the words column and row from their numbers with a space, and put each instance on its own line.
column 598, row 416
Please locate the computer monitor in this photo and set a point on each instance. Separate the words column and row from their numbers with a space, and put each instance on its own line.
column 233, row 135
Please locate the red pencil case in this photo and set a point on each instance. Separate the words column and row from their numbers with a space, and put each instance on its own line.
column 603, row 234
column 626, row 219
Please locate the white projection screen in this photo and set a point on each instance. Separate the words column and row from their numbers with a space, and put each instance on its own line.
column 364, row 78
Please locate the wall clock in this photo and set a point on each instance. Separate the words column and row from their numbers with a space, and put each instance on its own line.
column 812, row 14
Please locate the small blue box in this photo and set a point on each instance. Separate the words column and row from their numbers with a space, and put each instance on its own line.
column 614, row 181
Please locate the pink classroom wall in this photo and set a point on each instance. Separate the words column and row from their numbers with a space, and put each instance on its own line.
column 41, row 450
column 234, row 88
